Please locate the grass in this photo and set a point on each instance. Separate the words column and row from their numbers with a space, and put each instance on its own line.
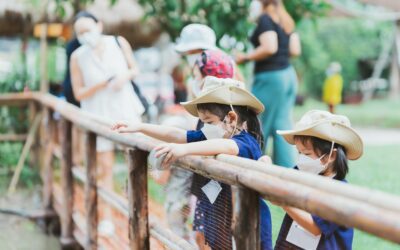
column 383, row 113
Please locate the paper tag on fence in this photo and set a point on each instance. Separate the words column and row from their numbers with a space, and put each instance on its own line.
column 212, row 190
column 302, row 238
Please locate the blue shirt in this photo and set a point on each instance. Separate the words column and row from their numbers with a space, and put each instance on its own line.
column 250, row 149
column 333, row 236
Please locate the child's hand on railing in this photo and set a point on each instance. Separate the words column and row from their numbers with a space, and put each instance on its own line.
column 123, row 127
column 171, row 152
column 265, row 159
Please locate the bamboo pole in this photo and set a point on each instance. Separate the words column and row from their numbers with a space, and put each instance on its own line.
column 139, row 236
column 24, row 154
column 339, row 205
column 91, row 192
column 375, row 197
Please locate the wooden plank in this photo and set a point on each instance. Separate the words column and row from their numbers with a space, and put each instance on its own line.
column 67, row 193
column 91, row 192
column 247, row 226
column 139, row 237
column 13, row 137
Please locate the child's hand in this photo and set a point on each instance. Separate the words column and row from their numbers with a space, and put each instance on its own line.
column 266, row 159
column 171, row 151
column 123, row 127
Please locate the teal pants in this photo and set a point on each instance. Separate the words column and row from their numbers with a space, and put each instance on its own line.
column 277, row 91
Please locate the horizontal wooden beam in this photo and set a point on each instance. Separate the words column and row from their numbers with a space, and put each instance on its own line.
column 13, row 137
column 378, row 216
column 16, row 99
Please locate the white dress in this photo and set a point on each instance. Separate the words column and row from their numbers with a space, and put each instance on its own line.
column 108, row 104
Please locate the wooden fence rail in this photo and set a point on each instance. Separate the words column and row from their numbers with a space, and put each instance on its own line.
column 369, row 210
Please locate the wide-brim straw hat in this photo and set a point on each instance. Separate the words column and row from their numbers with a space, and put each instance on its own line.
column 329, row 127
column 223, row 91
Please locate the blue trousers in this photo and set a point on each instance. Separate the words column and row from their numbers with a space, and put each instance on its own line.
column 277, row 91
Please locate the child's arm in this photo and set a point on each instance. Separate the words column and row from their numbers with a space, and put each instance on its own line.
column 160, row 132
column 205, row 148
column 304, row 219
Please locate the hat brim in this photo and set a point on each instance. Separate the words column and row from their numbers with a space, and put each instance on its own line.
column 338, row 133
column 185, row 47
column 225, row 95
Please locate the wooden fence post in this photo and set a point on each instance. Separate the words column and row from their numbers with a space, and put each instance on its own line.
column 67, row 239
column 91, row 192
column 47, row 170
column 247, row 227
column 34, row 157
column 139, row 237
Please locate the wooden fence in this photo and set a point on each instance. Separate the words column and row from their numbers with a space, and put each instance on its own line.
column 369, row 210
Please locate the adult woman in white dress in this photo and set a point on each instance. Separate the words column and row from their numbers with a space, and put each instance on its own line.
column 101, row 73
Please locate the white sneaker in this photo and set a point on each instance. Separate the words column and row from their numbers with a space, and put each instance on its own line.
column 106, row 228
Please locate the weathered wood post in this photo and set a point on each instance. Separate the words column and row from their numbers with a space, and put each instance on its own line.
column 67, row 239
column 47, row 169
column 34, row 157
column 139, row 237
column 247, row 227
column 91, row 192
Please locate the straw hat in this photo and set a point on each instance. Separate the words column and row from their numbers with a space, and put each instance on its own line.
column 223, row 91
column 330, row 127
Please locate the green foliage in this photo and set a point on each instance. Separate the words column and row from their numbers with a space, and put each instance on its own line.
column 300, row 9
column 225, row 17
column 343, row 40
column 9, row 155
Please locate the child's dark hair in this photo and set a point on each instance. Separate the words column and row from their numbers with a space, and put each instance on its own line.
column 86, row 14
column 321, row 147
column 244, row 115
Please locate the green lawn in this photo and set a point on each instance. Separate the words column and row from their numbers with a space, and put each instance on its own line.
column 383, row 113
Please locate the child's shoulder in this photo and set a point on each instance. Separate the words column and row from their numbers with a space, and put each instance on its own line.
column 248, row 145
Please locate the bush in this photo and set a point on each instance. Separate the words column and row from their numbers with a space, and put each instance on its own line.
column 334, row 39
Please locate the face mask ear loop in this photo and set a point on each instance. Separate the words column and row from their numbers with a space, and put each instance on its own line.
column 234, row 129
column 331, row 152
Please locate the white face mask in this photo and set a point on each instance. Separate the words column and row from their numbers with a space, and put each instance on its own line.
column 192, row 59
column 211, row 131
column 90, row 38
column 255, row 10
column 314, row 166
column 310, row 165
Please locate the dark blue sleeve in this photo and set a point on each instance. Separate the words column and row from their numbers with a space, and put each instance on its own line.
column 194, row 136
column 265, row 24
column 244, row 150
column 327, row 228
column 248, row 146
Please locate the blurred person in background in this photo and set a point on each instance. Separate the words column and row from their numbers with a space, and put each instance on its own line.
column 101, row 73
column 333, row 86
column 275, row 80
column 193, row 40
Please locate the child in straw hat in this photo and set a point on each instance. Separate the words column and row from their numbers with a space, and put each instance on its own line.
column 325, row 142
column 229, row 113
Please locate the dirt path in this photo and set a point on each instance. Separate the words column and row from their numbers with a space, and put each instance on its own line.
column 378, row 137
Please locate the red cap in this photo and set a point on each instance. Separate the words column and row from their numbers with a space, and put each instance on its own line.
column 215, row 63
